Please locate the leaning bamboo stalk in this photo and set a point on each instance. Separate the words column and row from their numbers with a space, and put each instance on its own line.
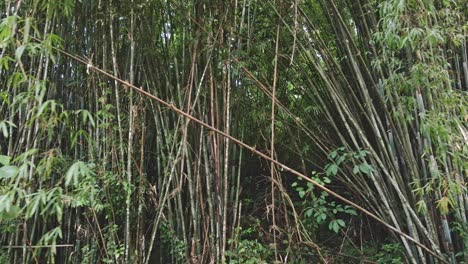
column 258, row 153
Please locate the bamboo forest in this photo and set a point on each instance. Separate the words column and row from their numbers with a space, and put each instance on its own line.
column 233, row 131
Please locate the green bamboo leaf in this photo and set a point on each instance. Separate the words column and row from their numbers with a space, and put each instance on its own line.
column 86, row 115
column 43, row 107
column 72, row 174
column 5, row 62
column 33, row 206
column 59, row 211
column 19, row 51
column 77, row 170
column 4, row 129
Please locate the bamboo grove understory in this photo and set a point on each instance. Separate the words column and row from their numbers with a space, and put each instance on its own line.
column 240, row 131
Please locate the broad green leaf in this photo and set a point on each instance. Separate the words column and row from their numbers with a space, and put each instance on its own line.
column 7, row 172
column 332, row 169
column 356, row 169
column 301, row 194
column 10, row 214
column 350, row 210
column 340, row 160
column 341, row 222
column 365, row 168
column 333, row 226
column 323, row 216
column 5, row 160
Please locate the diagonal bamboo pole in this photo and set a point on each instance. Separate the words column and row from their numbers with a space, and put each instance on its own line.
column 251, row 149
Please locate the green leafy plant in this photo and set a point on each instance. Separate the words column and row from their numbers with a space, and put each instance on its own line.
column 175, row 245
column 245, row 249
column 4, row 258
column 319, row 208
column 390, row 254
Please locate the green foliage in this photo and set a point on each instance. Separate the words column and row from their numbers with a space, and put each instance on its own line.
column 175, row 245
column 64, row 153
column 50, row 43
column 425, row 85
column 4, row 257
column 5, row 126
column 50, row 238
column 90, row 254
column 319, row 208
column 7, row 25
column 390, row 254
column 5, row 160
column 247, row 250
column 461, row 228
column 78, row 170
column 382, row 253
column 8, row 172
column 114, row 248
column 17, row 203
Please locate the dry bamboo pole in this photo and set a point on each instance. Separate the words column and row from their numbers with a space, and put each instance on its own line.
column 131, row 114
column 272, row 143
column 116, row 84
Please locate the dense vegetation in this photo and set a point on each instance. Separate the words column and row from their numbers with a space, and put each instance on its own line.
column 242, row 131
